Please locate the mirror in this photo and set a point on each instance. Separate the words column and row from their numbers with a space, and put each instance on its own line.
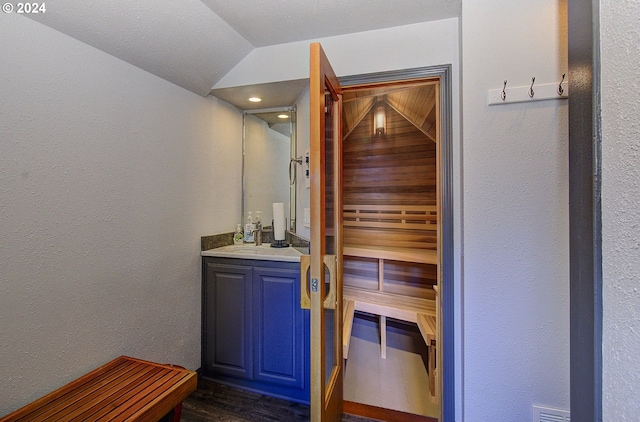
column 268, row 171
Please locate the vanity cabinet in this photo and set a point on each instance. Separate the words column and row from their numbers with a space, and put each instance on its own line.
column 254, row 333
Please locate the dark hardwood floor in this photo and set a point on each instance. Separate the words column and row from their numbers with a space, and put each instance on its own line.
column 220, row 403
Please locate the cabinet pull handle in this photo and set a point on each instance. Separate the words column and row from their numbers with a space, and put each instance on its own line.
column 331, row 263
column 305, row 264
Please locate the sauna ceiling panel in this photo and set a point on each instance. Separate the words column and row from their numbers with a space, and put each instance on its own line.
column 414, row 102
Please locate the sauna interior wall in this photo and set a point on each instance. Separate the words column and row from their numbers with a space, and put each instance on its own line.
column 398, row 168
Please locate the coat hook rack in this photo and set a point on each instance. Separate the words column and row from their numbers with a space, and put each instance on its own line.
column 523, row 94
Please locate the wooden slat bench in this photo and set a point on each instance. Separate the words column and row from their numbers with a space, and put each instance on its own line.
column 417, row 310
column 125, row 389
column 404, row 233
column 392, row 232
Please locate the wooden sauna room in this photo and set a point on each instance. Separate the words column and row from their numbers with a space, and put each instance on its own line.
column 390, row 224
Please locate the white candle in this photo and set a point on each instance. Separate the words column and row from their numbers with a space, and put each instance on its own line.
column 278, row 221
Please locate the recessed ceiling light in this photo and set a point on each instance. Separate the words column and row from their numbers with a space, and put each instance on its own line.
column 255, row 99
column 283, row 116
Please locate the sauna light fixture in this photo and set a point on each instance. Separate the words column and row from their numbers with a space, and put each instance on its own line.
column 255, row 99
column 379, row 120
column 283, row 116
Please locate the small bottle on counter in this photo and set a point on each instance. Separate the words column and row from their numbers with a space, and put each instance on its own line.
column 238, row 237
column 249, row 229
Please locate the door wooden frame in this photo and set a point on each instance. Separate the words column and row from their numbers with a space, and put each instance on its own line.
column 326, row 394
column 447, row 290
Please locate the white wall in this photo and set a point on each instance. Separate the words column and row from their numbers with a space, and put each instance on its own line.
column 108, row 178
column 516, row 273
column 620, row 211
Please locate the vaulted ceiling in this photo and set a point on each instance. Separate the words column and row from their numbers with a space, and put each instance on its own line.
column 414, row 102
column 194, row 43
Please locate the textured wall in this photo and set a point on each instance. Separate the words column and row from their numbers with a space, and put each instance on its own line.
column 620, row 59
column 516, row 275
column 108, row 178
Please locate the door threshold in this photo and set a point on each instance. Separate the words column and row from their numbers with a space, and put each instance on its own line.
column 382, row 414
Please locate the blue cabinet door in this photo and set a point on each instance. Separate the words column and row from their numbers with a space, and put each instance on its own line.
column 227, row 319
column 279, row 334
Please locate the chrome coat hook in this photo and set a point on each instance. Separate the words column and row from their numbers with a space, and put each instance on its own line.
column 503, row 95
column 531, row 93
column 560, row 89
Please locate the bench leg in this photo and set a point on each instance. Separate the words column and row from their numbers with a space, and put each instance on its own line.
column 348, row 314
column 383, row 337
column 432, row 368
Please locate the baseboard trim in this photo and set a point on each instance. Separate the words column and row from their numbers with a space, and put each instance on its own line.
column 382, row 414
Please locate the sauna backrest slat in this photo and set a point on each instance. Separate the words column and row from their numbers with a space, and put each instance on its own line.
column 394, row 226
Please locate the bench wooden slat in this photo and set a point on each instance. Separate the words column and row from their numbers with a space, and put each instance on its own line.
column 119, row 400
column 426, row 324
column 428, row 329
column 388, row 304
column 384, row 241
column 85, row 396
column 108, row 392
column 160, row 407
column 37, row 406
column 423, row 256
column 144, row 399
column 413, row 208
column 123, row 389
column 390, row 225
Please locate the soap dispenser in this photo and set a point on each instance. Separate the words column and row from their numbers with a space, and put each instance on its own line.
column 238, row 237
column 249, row 229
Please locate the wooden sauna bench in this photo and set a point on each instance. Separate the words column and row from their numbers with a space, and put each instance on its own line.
column 377, row 231
column 125, row 389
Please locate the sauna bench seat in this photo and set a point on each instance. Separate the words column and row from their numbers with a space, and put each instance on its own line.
column 125, row 389
column 422, row 256
column 411, row 309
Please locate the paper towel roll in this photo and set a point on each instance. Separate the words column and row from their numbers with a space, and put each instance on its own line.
column 278, row 221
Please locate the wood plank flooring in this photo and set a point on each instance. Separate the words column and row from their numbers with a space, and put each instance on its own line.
column 213, row 402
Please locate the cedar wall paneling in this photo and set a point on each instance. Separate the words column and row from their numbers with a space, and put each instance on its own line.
column 398, row 168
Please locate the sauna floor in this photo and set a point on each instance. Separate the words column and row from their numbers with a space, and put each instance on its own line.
column 399, row 382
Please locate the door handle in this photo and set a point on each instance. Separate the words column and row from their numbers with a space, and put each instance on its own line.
column 330, row 262
column 305, row 264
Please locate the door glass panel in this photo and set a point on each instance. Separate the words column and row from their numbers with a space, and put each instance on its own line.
column 330, row 247
column 329, row 171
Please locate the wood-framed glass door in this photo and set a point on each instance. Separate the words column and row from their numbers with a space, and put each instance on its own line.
column 322, row 269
